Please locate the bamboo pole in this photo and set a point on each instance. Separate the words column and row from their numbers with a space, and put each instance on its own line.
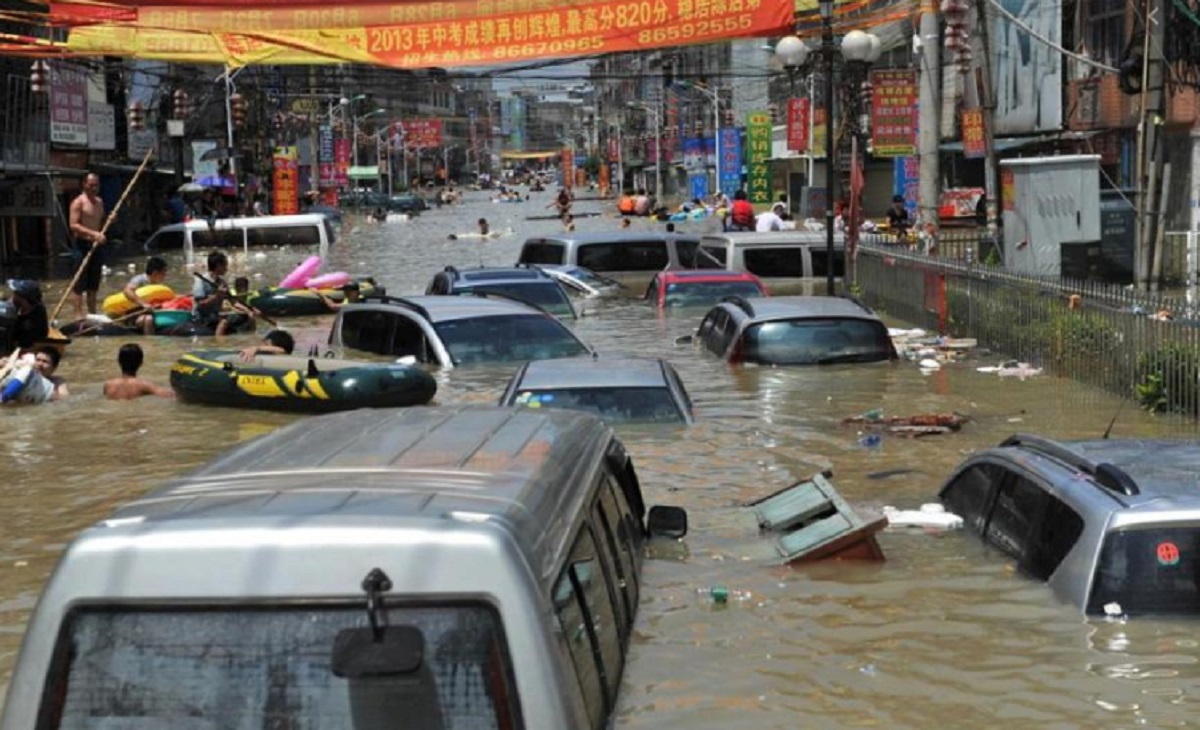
column 108, row 222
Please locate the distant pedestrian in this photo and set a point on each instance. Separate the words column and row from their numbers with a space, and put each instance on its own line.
column 897, row 215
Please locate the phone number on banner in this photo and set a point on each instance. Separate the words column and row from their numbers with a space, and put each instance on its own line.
column 696, row 29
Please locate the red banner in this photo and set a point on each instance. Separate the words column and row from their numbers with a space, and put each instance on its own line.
column 568, row 167
column 972, row 134
column 341, row 161
column 894, row 112
column 286, row 186
column 797, row 125
column 408, row 35
column 421, row 133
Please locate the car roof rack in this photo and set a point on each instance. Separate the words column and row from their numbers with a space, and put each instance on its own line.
column 398, row 301
column 741, row 302
column 493, row 294
column 1109, row 476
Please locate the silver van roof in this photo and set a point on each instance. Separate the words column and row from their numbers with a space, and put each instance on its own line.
column 408, row 465
column 613, row 237
column 263, row 221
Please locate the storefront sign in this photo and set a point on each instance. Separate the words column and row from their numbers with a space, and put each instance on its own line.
column 818, row 133
column 416, row 35
column 907, row 182
column 341, row 161
column 286, row 185
column 68, row 105
column 758, row 151
column 32, row 197
column 894, row 112
column 731, row 160
column 797, row 125
column 568, row 168
column 419, row 133
column 326, row 170
column 203, row 168
column 972, row 134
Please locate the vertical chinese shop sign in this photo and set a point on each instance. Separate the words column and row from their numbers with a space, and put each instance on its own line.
column 797, row 125
column 731, row 160
column 758, row 151
column 894, row 112
column 972, row 134
column 286, row 181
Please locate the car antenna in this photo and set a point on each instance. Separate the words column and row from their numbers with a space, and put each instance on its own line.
column 1116, row 415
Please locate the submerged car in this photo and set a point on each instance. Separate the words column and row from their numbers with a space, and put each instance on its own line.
column 618, row 389
column 701, row 287
column 453, row 331
column 581, row 281
column 795, row 331
column 424, row 568
column 523, row 283
column 1113, row 526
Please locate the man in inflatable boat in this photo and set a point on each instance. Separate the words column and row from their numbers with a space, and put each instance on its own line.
column 155, row 273
column 210, row 293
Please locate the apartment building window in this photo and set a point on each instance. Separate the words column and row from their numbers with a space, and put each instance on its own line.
column 1106, row 30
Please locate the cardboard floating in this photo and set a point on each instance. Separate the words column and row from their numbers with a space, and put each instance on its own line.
column 813, row 522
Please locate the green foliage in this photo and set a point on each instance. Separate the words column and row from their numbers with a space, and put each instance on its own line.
column 1075, row 335
column 993, row 257
column 1168, row 379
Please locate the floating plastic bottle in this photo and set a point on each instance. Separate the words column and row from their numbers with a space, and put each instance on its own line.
column 722, row 596
column 875, row 414
column 870, row 441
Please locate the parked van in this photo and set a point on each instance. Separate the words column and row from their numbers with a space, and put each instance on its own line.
column 306, row 229
column 453, row 567
column 631, row 257
column 788, row 262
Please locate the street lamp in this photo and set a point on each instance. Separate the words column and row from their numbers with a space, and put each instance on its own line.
column 858, row 49
column 654, row 113
column 354, row 129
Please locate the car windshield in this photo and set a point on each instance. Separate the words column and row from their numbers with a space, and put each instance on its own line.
column 615, row 405
column 509, row 338
column 544, row 294
column 588, row 276
column 816, row 341
column 1149, row 570
column 215, row 667
column 701, row 293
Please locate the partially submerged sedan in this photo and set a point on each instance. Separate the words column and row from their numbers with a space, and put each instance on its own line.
column 1113, row 526
column 619, row 390
column 453, row 331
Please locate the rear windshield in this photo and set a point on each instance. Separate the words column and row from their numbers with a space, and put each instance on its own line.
column 511, row 338
column 713, row 255
column 544, row 294
column 816, row 342
column 1149, row 571
column 624, row 256
column 699, row 293
column 615, row 405
column 542, row 252
column 215, row 667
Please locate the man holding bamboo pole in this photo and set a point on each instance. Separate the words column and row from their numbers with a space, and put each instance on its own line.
column 86, row 221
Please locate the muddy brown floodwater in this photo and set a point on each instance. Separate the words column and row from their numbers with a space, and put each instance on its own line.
column 941, row 634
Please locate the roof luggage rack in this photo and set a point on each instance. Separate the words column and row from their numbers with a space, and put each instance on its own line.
column 1109, row 476
column 741, row 302
column 380, row 298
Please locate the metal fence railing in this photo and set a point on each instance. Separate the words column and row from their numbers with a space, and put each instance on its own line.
column 1134, row 344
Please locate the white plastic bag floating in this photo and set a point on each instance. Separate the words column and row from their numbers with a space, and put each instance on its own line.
column 932, row 515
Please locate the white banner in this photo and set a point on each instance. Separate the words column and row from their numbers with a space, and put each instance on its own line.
column 1027, row 72
column 102, row 126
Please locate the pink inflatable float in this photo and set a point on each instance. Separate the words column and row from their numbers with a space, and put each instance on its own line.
column 301, row 273
column 328, row 281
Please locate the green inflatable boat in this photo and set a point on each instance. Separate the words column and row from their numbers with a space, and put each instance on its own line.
column 297, row 384
column 276, row 302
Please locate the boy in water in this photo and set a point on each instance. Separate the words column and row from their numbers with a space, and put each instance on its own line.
column 129, row 386
column 156, row 273
column 275, row 342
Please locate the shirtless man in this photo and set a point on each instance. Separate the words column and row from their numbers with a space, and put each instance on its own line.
column 129, row 385
column 86, row 220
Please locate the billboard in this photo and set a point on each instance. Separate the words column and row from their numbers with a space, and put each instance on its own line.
column 1027, row 73
column 68, row 105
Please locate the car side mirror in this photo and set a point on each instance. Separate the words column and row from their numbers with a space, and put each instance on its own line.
column 663, row 521
column 685, row 340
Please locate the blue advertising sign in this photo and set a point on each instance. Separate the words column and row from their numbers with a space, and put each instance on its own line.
column 906, row 182
column 731, row 160
column 693, row 155
column 699, row 186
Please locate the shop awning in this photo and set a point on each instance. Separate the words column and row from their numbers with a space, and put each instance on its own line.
column 1003, row 144
column 361, row 171
column 529, row 155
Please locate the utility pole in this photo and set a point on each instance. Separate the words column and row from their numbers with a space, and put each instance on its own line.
column 1149, row 148
column 987, row 102
column 929, row 100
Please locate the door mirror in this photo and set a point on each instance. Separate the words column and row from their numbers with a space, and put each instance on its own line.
column 667, row 522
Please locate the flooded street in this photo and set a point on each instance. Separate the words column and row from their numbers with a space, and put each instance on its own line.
column 941, row 634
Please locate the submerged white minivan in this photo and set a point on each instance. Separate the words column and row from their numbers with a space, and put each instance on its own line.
column 431, row 568
column 788, row 262
column 305, row 229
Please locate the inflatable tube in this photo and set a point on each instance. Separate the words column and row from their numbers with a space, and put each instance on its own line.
column 117, row 304
column 676, row 217
column 298, row 384
column 301, row 273
column 171, row 317
column 328, row 281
